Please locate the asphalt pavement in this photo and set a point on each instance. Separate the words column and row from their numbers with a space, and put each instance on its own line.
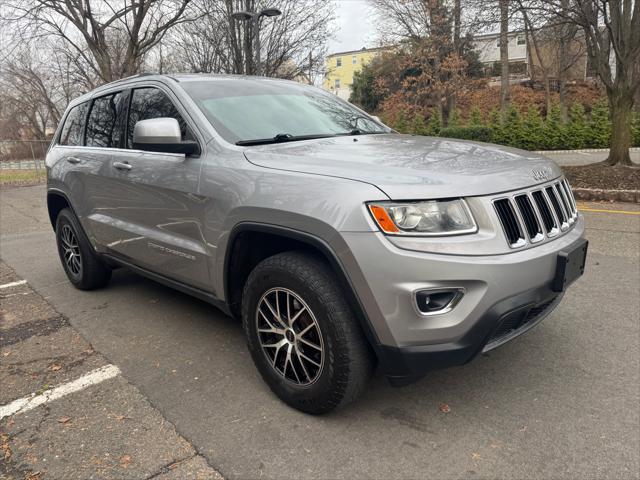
column 562, row 401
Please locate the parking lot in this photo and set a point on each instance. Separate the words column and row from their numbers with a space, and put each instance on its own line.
column 562, row 401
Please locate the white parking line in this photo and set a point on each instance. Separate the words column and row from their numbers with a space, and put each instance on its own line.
column 13, row 284
column 25, row 404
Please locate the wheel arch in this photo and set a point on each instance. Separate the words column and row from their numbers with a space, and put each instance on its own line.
column 241, row 258
column 56, row 202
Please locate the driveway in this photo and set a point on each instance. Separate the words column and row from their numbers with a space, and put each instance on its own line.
column 562, row 401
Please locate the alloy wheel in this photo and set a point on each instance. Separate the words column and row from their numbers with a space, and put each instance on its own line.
column 71, row 250
column 290, row 336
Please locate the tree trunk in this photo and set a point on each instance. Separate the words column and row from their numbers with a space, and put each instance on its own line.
column 530, row 65
column 547, row 93
column 504, row 56
column 620, row 106
column 562, row 64
column 544, row 70
column 562, row 79
column 457, row 23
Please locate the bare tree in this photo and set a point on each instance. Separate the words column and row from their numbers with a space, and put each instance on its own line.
column 110, row 38
column 292, row 44
column 402, row 19
column 36, row 85
column 612, row 35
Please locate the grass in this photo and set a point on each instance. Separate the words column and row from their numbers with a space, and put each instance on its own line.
column 22, row 177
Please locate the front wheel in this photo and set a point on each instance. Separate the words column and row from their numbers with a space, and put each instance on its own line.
column 302, row 334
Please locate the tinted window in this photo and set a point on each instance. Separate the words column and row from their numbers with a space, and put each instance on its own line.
column 104, row 128
column 149, row 103
column 72, row 130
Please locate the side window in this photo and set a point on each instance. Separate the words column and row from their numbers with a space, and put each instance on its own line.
column 71, row 133
column 104, row 127
column 149, row 103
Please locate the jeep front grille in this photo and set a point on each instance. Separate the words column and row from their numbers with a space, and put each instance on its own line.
column 531, row 216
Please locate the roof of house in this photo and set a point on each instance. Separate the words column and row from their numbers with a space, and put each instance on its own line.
column 496, row 34
column 363, row 49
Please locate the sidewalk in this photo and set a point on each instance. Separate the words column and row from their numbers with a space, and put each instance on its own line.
column 567, row 158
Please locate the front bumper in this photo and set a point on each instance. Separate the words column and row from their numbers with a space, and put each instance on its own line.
column 405, row 364
column 513, row 287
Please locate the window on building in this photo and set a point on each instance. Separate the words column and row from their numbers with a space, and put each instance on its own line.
column 337, row 83
column 354, row 59
column 521, row 39
column 339, row 62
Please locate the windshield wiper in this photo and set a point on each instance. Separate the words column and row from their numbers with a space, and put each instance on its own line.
column 282, row 137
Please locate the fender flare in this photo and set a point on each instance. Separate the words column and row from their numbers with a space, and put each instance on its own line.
column 326, row 250
column 59, row 193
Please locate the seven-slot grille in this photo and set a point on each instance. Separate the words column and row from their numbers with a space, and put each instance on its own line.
column 538, row 214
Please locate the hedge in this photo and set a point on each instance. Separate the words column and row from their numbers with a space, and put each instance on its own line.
column 480, row 134
column 528, row 131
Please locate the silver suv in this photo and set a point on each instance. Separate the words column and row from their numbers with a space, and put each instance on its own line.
column 340, row 243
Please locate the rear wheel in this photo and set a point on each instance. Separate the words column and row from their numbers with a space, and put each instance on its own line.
column 82, row 265
column 302, row 334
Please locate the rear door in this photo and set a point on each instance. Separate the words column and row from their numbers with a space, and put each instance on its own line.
column 88, row 135
column 104, row 134
column 158, row 211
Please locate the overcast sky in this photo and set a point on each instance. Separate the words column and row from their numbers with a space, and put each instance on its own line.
column 354, row 26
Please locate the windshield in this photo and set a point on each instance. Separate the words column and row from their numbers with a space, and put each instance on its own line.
column 246, row 110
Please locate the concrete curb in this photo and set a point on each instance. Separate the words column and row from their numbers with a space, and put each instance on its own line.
column 598, row 194
column 586, row 150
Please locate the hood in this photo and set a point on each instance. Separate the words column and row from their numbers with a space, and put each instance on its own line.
column 407, row 167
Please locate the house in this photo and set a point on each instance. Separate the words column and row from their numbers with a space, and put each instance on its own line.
column 341, row 67
column 546, row 56
column 488, row 47
column 530, row 55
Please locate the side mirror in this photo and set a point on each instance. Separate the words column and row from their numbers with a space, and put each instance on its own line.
column 162, row 135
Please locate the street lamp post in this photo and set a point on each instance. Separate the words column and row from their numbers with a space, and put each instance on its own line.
column 254, row 18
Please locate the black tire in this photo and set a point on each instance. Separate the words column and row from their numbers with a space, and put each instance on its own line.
column 87, row 271
column 346, row 359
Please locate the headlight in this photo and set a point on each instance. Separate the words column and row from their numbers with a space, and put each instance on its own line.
column 432, row 217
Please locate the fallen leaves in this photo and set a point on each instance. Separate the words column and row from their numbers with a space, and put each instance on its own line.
column 54, row 367
column 125, row 461
column 444, row 408
column 64, row 419
column 6, row 450
column 476, row 456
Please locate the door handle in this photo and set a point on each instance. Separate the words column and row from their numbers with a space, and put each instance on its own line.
column 73, row 160
column 122, row 165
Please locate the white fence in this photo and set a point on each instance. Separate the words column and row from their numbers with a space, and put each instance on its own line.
column 23, row 154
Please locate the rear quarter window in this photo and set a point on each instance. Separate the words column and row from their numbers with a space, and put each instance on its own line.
column 72, row 129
